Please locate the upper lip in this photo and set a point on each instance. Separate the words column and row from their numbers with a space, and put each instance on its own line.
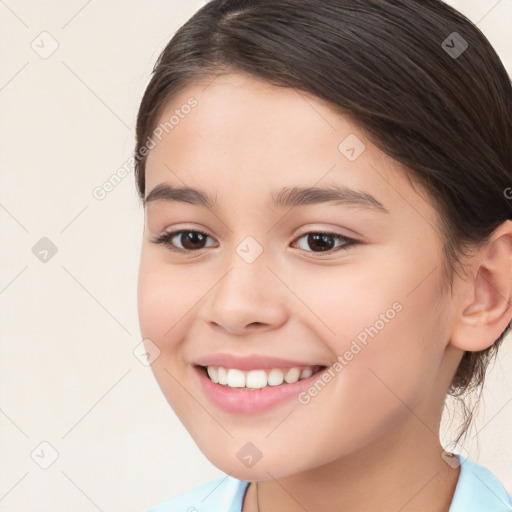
column 249, row 362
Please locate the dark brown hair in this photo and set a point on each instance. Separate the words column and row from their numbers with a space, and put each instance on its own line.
column 390, row 66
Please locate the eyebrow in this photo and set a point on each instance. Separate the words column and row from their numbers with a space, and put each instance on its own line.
column 286, row 197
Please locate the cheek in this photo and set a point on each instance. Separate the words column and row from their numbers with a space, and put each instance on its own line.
column 165, row 298
column 383, row 327
column 378, row 381
column 347, row 305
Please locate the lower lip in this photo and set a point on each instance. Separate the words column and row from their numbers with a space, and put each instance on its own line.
column 244, row 401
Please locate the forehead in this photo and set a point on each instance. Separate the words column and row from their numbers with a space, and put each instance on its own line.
column 239, row 117
column 248, row 135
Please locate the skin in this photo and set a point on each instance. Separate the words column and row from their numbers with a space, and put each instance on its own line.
column 375, row 425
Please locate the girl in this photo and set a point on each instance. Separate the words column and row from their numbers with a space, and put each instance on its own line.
column 327, row 248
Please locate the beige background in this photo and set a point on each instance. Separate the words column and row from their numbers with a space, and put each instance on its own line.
column 69, row 326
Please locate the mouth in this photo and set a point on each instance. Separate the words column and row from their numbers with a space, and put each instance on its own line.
column 254, row 383
column 256, row 390
column 258, row 379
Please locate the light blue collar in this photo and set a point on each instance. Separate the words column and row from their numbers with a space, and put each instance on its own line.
column 477, row 490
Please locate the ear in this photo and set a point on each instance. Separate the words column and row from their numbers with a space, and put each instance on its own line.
column 485, row 308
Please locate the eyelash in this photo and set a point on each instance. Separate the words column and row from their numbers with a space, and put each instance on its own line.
column 166, row 238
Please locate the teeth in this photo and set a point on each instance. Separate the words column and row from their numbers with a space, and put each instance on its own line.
column 307, row 372
column 213, row 374
column 222, row 375
column 257, row 379
column 275, row 377
column 236, row 378
column 292, row 375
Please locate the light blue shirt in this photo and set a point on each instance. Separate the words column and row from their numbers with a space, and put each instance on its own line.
column 477, row 490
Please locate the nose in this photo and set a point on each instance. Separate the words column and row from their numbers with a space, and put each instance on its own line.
column 247, row 297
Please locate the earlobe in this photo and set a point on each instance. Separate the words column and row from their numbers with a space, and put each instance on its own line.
column 486, row 310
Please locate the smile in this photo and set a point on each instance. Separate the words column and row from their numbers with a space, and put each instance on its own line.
column 254, row 391
column 259, row 378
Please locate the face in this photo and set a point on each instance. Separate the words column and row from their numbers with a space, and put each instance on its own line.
column 347, row 286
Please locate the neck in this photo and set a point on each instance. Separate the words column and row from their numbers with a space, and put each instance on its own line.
column 399, row 472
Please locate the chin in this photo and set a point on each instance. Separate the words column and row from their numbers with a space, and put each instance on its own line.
column 266, row 468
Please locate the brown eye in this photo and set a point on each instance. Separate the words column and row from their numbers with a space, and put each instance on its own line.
column 323, row 242
column 189, row 239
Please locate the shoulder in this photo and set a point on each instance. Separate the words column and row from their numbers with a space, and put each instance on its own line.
column 225, row 494
column 478, row 489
